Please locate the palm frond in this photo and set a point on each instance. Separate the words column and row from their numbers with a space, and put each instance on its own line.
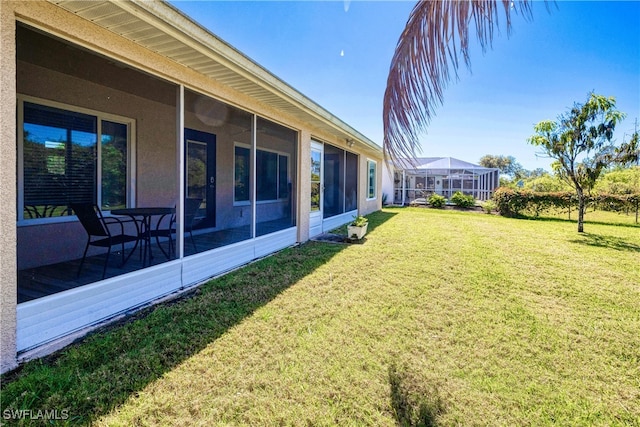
column 429, row 51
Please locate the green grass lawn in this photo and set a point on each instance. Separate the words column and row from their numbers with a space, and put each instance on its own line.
column 440, row 318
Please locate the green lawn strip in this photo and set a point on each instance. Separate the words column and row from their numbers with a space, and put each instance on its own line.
column 439, row 317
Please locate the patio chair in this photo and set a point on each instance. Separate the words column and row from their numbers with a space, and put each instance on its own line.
column 191, row 207
column 98, row 233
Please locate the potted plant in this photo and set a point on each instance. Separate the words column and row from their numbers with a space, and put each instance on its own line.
column 358, row 227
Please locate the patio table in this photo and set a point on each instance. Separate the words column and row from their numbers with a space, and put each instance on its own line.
column 145, row 232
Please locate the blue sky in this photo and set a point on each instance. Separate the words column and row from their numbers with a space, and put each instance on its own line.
column 338, row 54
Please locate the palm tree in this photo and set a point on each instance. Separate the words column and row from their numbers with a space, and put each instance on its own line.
column 427, row 54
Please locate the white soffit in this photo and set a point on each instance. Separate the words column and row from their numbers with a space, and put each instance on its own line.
column 163, row 29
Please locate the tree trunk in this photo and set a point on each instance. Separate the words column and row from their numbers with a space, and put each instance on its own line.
column 581, row 208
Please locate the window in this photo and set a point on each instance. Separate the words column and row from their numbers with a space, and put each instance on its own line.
column 114, row 165
column 272, row 175
column 63, row 163
column 266, row 175
column 276, row 148
column 371, row 179
column 283, row 177
column 241, row 186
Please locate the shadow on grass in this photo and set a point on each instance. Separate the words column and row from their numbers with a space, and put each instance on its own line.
column 414, row 403
column 575, row 221
column 378, row 218
column 609, row 242
column 93, row 376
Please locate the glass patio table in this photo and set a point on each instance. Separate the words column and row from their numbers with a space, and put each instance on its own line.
column 144, row 215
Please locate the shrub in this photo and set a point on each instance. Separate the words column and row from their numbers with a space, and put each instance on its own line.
column 488, row 206
column 437, row 201
column 510, row 202
column 463, row 200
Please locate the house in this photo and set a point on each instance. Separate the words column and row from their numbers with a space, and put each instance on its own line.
column 132, row 104
column 437, row 175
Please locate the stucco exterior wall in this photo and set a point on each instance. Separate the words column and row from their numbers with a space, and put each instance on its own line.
column 304, row 186
column 366, row 205
column 387, row 182
column 8, row 276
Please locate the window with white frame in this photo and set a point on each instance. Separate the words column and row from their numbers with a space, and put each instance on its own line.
column 71, row 156
column 242, row 169
column 272, row 175
column 371, row 179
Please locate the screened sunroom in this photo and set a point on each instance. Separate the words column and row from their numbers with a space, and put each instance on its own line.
column 444, row 176
column 142, row 156
column 134, row 164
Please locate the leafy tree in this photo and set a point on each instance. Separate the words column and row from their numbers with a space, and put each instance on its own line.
column 546, row 184
column 506, row 164
column 580, row 141
column 426, row 58
column 536, row 173
column 520, row 177
column 620, row 181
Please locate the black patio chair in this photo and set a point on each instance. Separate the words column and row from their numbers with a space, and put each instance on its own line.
column 97, row 227
column 191, row 207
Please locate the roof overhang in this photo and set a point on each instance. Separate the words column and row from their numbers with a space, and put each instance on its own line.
column 163, row 29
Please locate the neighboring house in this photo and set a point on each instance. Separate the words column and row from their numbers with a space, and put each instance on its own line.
column 132, row 104
column 437, row 175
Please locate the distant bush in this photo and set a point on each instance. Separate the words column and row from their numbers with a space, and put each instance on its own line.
column 488, row 206
column 437, row 201
column 510, row 202
column 463, row 200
